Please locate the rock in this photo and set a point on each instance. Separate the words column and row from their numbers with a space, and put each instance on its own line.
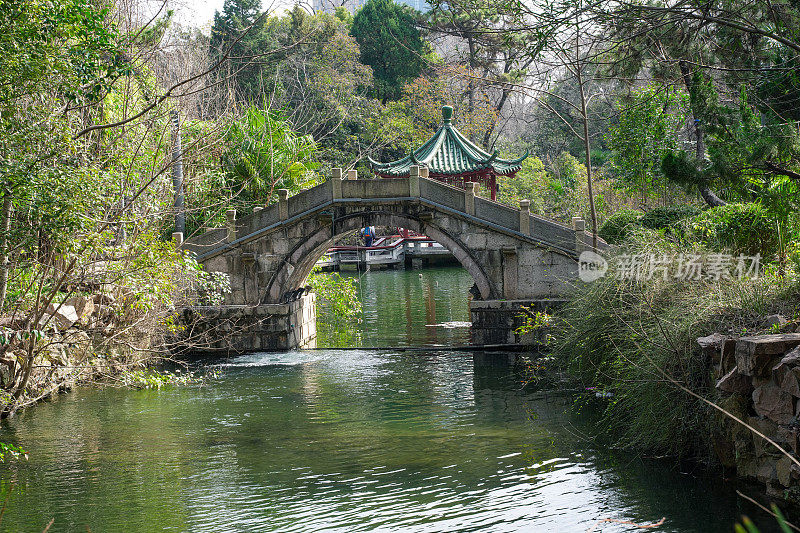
column 103, row 314
column 775, row 321
column 784, row 375
column 754, row 355
column 746, row 465
column 728, row 355
column 103, row 299
column 57, row 354
column 765, row 471
column 61, row 316
column 16, row 322
column 712, row 346
column 772, row 402
column 769, row 428
column 792, row 358
column 734, row 382
column 83, row 306
column 788, row 438
column 783, row 470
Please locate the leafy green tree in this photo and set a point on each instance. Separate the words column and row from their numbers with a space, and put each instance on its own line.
column 263, row 155
column 649, row 127
column 390, row 43
column 496, row 60
column 238, row 31
column 530, row 183
column 53, row 57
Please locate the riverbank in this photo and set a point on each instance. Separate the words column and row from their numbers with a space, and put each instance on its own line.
column 92, row 338
column 634, row 344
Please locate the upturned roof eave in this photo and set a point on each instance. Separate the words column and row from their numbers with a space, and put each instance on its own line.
column 478, row 160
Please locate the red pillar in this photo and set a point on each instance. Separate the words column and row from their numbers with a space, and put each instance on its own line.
column 493, row 187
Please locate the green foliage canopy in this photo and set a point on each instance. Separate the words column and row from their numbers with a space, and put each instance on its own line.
column 390, row 43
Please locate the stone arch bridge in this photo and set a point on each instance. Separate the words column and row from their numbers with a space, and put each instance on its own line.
column 514, row 257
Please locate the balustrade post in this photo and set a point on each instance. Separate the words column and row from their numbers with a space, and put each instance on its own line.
column 525, row 217
column 336, row 183
column 177, row 239
column 352, row 174
column 413, row 181
column 579, row 225
column 230, row 216
column 469, row 197
column 283, row 203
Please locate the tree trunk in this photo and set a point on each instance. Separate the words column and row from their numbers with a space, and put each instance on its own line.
column 700, row 146
column 5, row 227
column 499, row 109
column 177, row 173
column 471, row 83
column 586, row 142
column 710, row 198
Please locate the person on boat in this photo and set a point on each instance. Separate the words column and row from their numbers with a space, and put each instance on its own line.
column 369, row 234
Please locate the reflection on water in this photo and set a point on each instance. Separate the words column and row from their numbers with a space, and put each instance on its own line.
column 342, row 440
column 405, row 308
column 359, row 440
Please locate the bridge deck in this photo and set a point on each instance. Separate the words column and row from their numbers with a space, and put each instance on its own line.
column 320, row 200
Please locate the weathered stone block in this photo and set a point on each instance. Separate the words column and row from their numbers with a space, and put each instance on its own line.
column 769, row 428
column 776, row 321
column 784, row 468
column 754, row 355
column 772, row 402
column 712, row 346
column 728, row 356
column 787, row 436
column 84, row 307
column 785, row 373
column 60, row 316
column 734, row 382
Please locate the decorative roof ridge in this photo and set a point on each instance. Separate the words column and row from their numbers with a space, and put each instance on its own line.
column 440, row 137
column 441, row 149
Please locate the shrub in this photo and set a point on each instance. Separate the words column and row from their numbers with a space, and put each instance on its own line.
column 618, row 226
column 740, row 228
column 665, row 218
column 614, row 335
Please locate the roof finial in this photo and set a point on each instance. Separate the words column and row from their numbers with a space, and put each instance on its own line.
column 447, row 113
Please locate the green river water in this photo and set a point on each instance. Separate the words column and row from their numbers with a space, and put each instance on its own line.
column 344, row 440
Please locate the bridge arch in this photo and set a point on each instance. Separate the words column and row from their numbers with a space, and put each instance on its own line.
column 300, row 260
column 515, row 258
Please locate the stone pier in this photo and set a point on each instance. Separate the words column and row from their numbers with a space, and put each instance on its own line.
column 242, row 328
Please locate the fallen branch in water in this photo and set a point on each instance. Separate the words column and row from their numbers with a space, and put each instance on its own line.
column 625, row 522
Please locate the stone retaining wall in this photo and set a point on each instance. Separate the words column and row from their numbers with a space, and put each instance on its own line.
column 243, row 328
column 759, row 380
column 497, row 321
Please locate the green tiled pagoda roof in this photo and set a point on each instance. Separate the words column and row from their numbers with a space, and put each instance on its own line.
column 449, row 153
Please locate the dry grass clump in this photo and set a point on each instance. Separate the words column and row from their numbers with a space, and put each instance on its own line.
column 615, row 335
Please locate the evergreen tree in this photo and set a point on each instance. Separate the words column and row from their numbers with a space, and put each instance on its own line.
column 390, row 43
column 239, row 31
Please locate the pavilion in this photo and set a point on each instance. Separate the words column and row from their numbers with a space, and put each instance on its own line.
column 452, row 158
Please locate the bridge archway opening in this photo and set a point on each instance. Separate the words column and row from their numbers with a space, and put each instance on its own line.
column 301, row 260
